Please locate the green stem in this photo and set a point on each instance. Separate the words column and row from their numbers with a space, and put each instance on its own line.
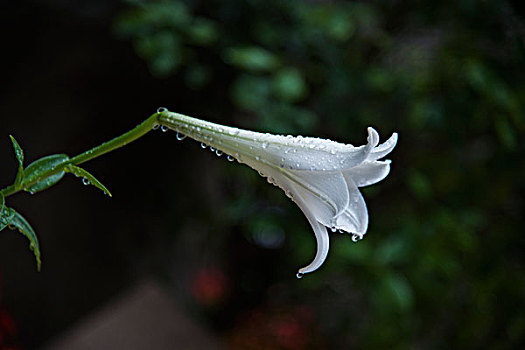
column 122, row 140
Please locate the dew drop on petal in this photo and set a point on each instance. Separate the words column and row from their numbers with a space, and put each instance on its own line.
column 180, row 136
column 85, row 181
column 355, row 238
column 203, row 145
column 198, row 129
column 333, row 229
column 257, row 158
column 230, row 158
column 212, row 149
column 218, row 153
column 299, row 275
column 265, row 145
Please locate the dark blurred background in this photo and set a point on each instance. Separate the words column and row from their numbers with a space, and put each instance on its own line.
column 442, row 265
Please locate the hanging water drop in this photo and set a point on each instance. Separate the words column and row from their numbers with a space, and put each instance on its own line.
column 164, row 128
column 355, row 238
column 180, row 136
column 212, row 149
column 333, row 229
column 230, row 158
column 155, row 127
column 85, row 181
column 161, row 109
column 203, row 145
column 218, row 153
column 299, row 275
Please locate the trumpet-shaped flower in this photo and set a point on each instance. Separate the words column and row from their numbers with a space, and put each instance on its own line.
column 321, row 176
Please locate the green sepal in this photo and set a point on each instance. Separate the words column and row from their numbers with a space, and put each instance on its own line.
column 79, row 172
column 11, row 218
column 35, row 170
column 20, row 157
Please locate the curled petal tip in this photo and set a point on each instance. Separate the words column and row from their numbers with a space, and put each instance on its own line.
column 373, row 137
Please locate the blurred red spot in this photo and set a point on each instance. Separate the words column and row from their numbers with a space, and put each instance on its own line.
column 209, row 286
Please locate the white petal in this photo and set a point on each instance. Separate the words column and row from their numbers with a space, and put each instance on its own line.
column 355, row 216
column 383, row 149
column 321, row 234
column 326, row 193
column 369, row 173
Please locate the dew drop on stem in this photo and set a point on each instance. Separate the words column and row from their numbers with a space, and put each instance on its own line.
column 161, row 109
column 164, row 128
column 180, row 136
column 203, row 145
column 85, row 181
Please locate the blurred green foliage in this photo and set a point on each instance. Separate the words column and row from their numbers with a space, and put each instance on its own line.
column 442, row 266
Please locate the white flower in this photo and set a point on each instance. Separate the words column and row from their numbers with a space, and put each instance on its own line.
column 321, row 176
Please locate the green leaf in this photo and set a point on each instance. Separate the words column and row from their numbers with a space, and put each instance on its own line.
column 3, row 223
column 20, row 157
column 79, row 172
column 33, row 181
column 251, row 58
column 14, row 220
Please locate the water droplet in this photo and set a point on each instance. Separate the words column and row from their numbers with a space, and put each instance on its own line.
column 161, row 109
column 333, row 229
column 164, row 128
column 356, row 238
column 218, row 153
column 180, row 136
column 230, row 158
column 257, row 158
column 264, row 144
column 85, row 181
column 198, row 129
column 203, row 145
column 155, row 127
column 332, row 151
column 299, row 275
column 212, row 149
